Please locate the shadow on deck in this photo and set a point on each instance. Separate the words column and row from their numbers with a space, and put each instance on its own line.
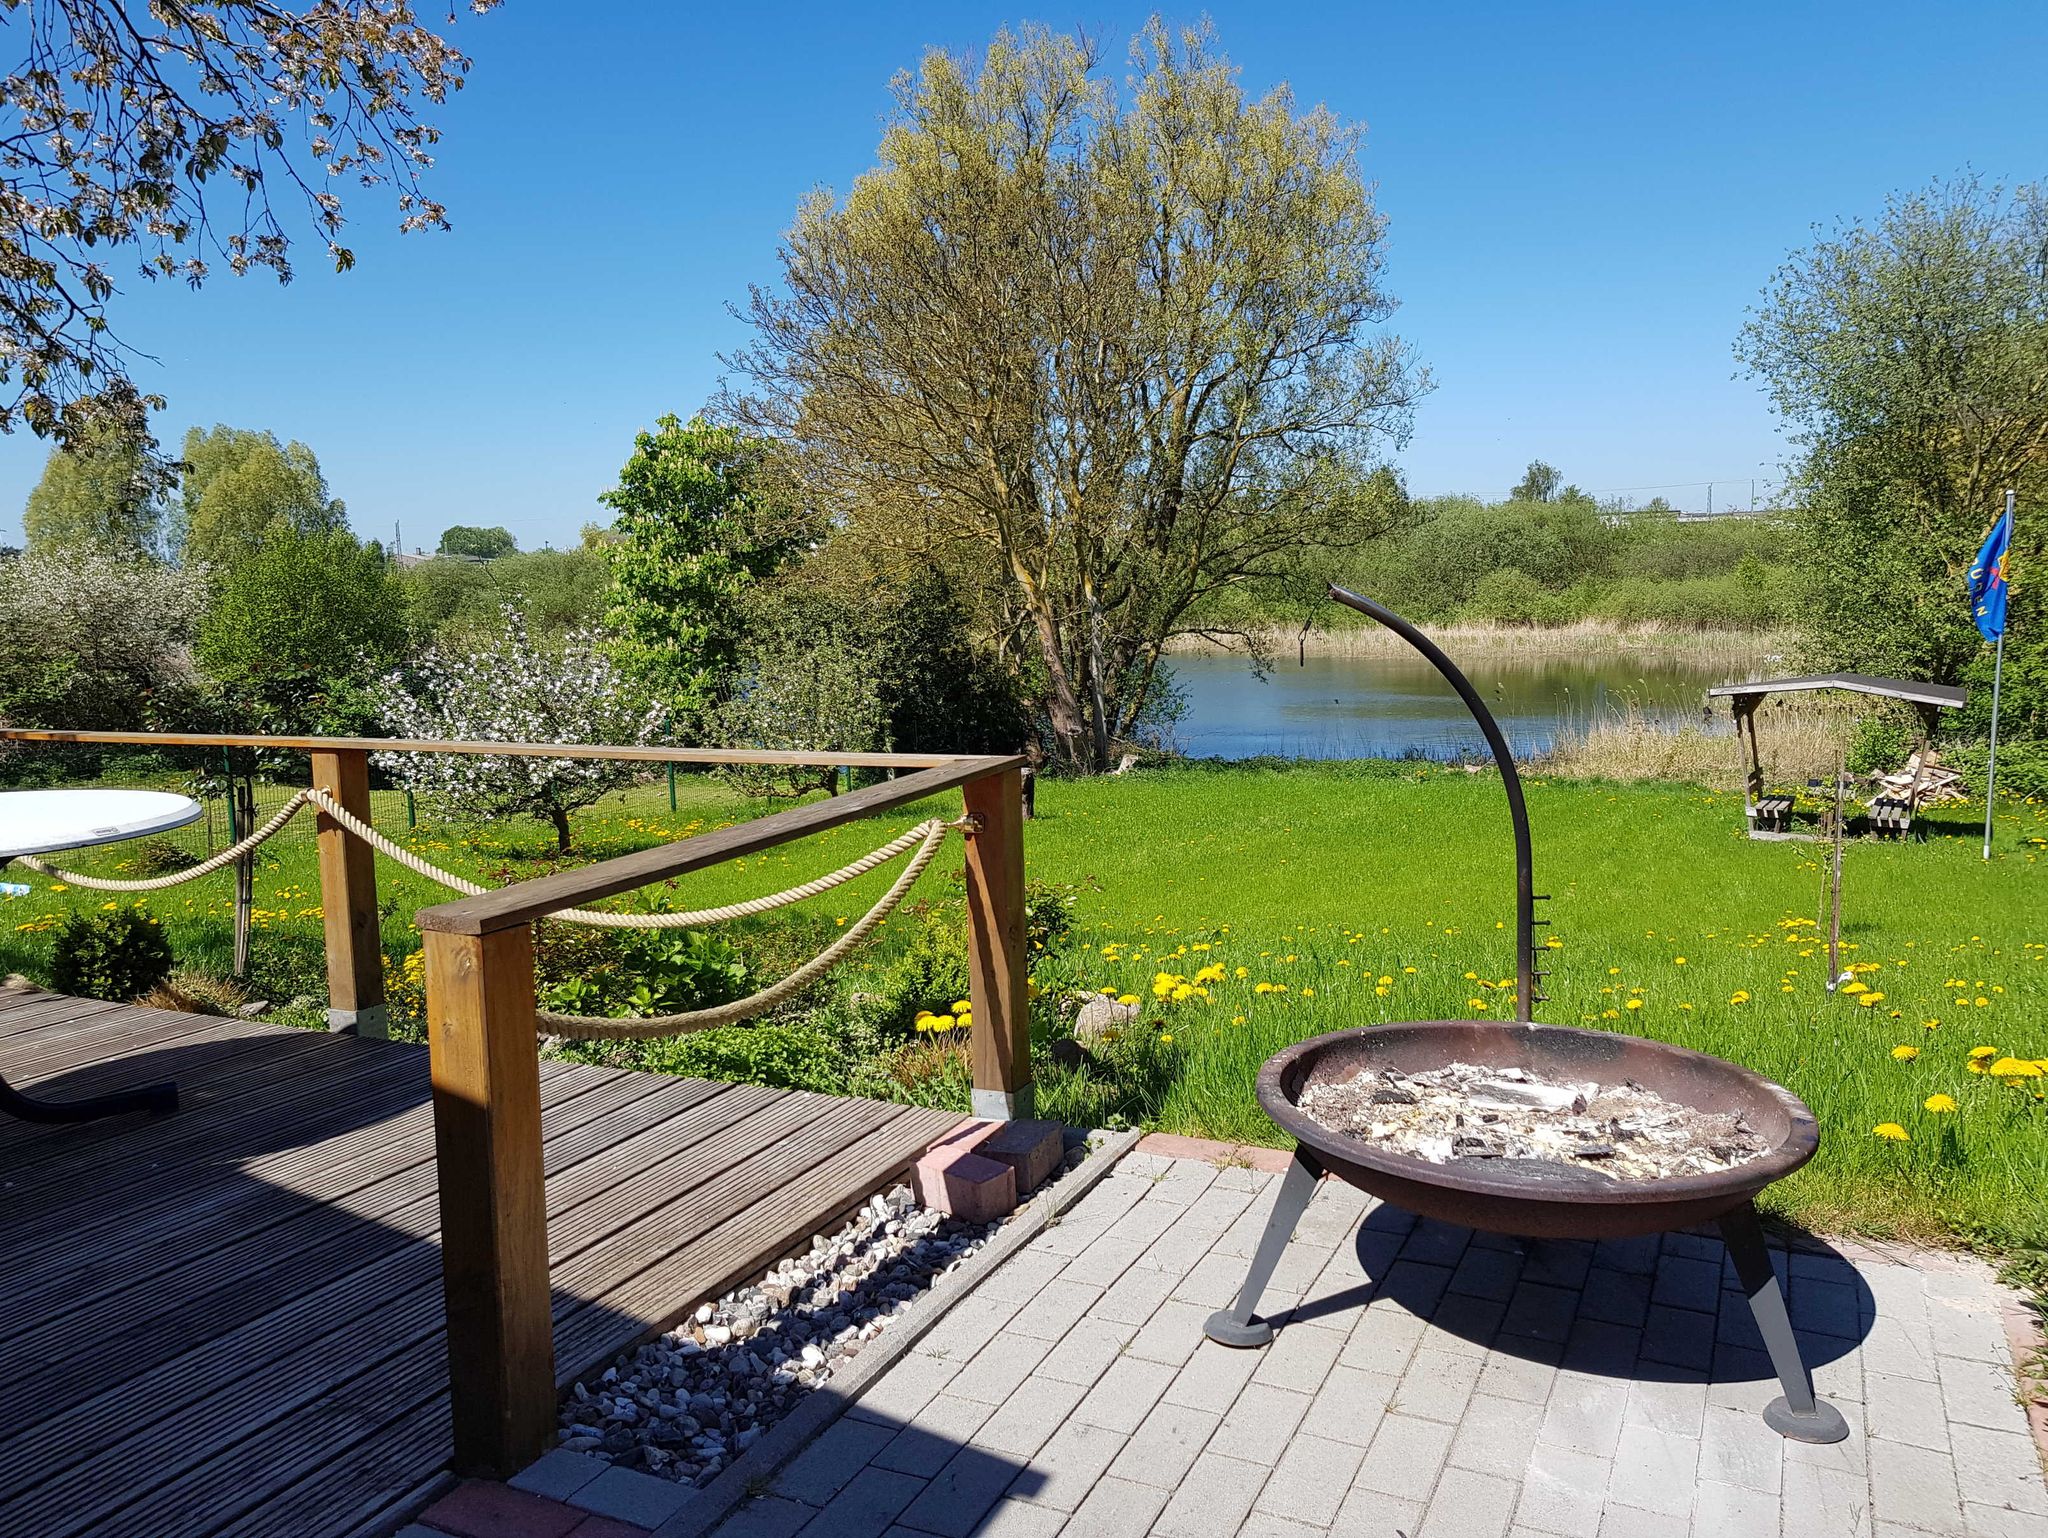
column 229, row 1321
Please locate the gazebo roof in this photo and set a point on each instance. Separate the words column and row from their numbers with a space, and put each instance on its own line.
column 1944, row 696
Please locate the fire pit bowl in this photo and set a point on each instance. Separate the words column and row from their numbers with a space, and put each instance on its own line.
column 1540, row 1199
column 1525, row 1197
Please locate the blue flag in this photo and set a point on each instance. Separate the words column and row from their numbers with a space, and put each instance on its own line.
column 1988, row 579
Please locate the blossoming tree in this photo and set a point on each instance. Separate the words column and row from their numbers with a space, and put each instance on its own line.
column 507, row 687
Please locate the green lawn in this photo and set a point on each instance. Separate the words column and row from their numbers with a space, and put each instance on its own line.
column 1369, row 893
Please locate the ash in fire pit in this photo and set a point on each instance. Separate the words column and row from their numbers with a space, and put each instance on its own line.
column 1460, row 1111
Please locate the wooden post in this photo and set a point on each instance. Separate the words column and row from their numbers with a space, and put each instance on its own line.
column 998, row 968
column 242, row 796
column 1753, row 777
column 494, row 1227
column 348, row 899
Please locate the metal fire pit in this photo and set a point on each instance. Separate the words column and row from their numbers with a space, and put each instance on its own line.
column 1529, row 1197
column 1536, row 1198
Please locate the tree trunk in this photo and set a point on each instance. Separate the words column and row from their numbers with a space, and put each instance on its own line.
column 561, row 821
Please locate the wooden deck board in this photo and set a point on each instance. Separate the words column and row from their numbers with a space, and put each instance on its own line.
column 228, row 1322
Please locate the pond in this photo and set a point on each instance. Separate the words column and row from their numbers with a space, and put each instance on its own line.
column 1397, row 706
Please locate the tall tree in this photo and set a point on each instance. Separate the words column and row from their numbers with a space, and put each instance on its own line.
column 154, row 136
column 477, row 543
column 242, row 488
column 1910, row 357
column 1539, row 483
column 104, row 495
column 697, row 524
column 1102, row 338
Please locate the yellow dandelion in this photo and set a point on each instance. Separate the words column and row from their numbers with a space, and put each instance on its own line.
column 1128, row 1000
column 1635, row 1003
column 1941, row 1105
column 1904, row 1053
column 2014, row 1068
column 1891, row 1132
column 1869, row 999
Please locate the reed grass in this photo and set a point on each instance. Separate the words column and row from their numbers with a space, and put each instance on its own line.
column 1799, row 737
column 1740, row 653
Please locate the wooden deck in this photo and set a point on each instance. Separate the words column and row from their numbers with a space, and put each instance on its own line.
column 227, row 1323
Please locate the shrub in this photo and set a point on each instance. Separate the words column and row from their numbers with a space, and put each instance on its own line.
column 1879, row 744
column 116, row 954
column 778, row 1055
column 623, row 973
column 161, row 857
column 1505, row 596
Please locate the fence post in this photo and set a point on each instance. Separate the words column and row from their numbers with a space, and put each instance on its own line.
column 494, row 1237
column 348, row 899
column 998, row 969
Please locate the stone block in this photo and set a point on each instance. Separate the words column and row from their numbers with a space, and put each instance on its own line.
column 976, row 1190
column 1033, row 1149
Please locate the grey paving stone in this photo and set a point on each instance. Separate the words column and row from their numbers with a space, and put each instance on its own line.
column 928, row 1443
column 1212, row 1377
column 1171, row 1335
column 1706, row 1246
column 1124, row 1395
column 1310, row 1480
column 1084, row 1353
column 1436, row 1244
column 1999, row 1522
column 1558, row 1262
column 1213, row 1499
column 1350, row 1403
column 1741, row 1380
column 846, row 1447
column 1678, row 1337
column 1978, row 1393
column 1907, row 1410
column 1597, row 1349
column 1669, row 1404
column 1820, row 1500
column 1061, row 1473
column 1539, row 1310
column 1212, row 1282
column 1437, row 1384
column 1962, row 1316
column 1299, row 1357
column 965, row 1491
column 1415, row 1286
column 1654, row 1471
column 969, row 1325
column 1259, row 1424
column 1821, row 1307
column 996, row 1371
column 1496, row 1436
column 1104, row 1260
column 1627, row 1522
column 1018, row 1279
column 1619, row 1297
column 1465, row 1325
column 1190, row 1236
column 1118, row 1508
column 1683, row 1282
column 1518, row 1373
column 1383, row 1338
column 1852, row 1455
column 1737, row 1448
column 627, row 1495
column 1998, row 1471
column 1023, row 1422
column 1896, row 1348
column 1837, row 1374
column 1563, row 1490
column 1467, row 1504
column 1732, row 1511
column 1584, row 1414
column 1915, row 1487
column 1405, row 1457
column 1135, row 1296
column 906, row 1388
column 1009, row 1519
column 1375, row 1514
column 558, row 1474
column 1263, row 1524
column 1637, row 1255
column 1051, row 1313
column 867, row 1506
column 1487, row 1274
column 766, row 1516
column 1165, row 1445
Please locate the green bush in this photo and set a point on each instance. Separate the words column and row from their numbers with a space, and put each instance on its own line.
column 118, row 955
column 622, row 974
column 1880, row 744
column 780, row 1056
column 1505, row 596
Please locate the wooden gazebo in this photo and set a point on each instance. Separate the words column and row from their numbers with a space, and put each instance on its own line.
column 1770, row 816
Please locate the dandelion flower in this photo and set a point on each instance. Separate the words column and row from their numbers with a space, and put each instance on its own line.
column 1635, row 1003
column 1905, row 1054
column 1891, row 1132
column 1941, row 1105
column 1166, row 1038
column 1869, row 999
column 1739, row 996
column 1128, row 1000
column 2014, row 1068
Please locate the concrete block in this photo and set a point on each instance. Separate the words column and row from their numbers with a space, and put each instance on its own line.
column 975, row 1190
column 1032, row 1148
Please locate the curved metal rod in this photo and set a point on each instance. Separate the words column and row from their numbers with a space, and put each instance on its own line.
column 1518, row 811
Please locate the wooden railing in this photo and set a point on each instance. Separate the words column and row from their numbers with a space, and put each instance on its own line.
column 480, row 1020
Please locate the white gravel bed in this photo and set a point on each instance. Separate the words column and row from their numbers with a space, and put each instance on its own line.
column 685, row 1405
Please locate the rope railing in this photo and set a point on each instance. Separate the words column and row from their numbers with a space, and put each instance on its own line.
column 924, row 839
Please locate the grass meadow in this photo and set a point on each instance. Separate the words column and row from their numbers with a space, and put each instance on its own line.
column 1316, row 897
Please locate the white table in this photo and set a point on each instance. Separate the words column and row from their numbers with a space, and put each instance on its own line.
column 44, row 821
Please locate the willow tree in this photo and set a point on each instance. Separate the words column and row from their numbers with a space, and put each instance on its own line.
column 1117, row 345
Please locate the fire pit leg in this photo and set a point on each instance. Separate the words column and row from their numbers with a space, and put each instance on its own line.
column 1796, row 1413
column 1238, row 1325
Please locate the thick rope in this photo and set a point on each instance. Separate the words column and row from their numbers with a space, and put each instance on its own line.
column 589, row 1027
column 205, row 867
column 606, row 920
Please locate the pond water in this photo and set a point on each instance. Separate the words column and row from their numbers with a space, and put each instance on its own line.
column 1398, row 706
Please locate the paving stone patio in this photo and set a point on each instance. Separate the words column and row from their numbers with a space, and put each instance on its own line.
column 1428, row 1382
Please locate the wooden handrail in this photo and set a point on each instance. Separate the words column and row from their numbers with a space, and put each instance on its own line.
column 652, row 754
column 526, row 901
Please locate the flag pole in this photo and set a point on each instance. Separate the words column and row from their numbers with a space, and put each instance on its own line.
column 1997, row 678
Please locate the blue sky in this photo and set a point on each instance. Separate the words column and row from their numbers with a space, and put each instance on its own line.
column 1583, row 201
